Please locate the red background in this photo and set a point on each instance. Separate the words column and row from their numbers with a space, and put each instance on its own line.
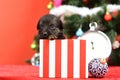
column 18, row 20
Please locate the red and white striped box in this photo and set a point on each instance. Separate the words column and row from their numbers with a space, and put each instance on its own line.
column 63, row 59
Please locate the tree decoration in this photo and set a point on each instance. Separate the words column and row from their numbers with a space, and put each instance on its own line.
column 98, row 67
column 115, row 13
column 33, row 45
column 35, row 60
column 57, row 3
column 79, row 32
column 86, row 1
column 116, row 44
column 50, row 5
column 118, row 37
column 107, row 16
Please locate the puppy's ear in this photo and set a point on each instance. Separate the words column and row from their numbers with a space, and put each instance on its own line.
column 38, row 25
column 61, row 24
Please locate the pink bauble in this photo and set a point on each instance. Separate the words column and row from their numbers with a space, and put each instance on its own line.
column 57, row 3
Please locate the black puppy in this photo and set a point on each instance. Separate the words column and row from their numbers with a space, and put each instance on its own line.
column 50, row 27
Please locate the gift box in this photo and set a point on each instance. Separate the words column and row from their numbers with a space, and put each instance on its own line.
column 63, row 59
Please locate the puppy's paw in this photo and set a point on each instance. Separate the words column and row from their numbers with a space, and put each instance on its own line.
column 52, row 37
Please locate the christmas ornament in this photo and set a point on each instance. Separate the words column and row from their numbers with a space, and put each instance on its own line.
column 79, row 32
column 98, row 45
column 33, row 45
column 35, row 60
column 107, row 16
column 116, row 44
column 98, row 67
column 57, row 3
column 86, row 1
column 83, row 11
column 50, row 5
column 115, row 13
column 118, row 38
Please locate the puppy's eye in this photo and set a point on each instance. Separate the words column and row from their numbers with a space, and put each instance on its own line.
column 52, row 27
column 50, row 24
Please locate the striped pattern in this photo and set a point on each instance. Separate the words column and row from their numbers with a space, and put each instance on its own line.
column 63, row 59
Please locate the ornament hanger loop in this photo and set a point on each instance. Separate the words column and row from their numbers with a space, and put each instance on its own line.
column 93, row 26
column 80, row 26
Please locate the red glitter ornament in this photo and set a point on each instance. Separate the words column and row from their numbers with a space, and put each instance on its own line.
column 86, row 1
column 118, row 38
column 107, row 17
column 115, row 13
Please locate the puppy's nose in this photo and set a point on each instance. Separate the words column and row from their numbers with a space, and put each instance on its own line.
column 45, row 33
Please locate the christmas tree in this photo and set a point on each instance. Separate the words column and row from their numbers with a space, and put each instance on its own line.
column 74, row 13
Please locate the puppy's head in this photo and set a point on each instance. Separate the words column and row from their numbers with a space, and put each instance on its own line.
column 49, row 27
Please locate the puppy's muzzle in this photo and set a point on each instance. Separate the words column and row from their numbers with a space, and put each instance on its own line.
column 45, row 33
